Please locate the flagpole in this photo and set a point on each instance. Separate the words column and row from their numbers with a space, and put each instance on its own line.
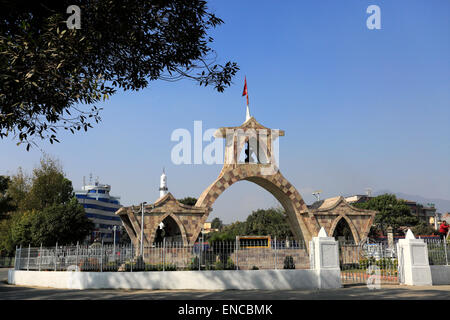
column 247, row 114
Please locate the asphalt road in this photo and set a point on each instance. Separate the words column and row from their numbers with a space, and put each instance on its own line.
column 10, row 292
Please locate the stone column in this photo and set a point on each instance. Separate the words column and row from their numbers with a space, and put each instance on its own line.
column 414, row 268
column 324, row 259
column 390, row 237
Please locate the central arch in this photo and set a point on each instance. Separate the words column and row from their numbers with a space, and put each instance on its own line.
column 276, row 184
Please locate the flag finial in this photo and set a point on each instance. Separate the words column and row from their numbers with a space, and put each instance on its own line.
column 245, row 93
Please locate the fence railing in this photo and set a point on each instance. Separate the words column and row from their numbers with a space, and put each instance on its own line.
column 164, row 256
column 438, row 251
column 6, row 262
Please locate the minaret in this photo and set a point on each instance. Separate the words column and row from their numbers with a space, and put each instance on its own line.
column 163, row 185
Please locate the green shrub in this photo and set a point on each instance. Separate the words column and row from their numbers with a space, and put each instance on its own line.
column 383, row 263
column 230, row 264
column 213, row 265
column 168, row 267
column 387, row 263
column 194, row 264
column 348, row 266
column 366, row 262
column 210, row 265
column 111, row 266
column 137, row 265
column 151, row 267
column 218, row 265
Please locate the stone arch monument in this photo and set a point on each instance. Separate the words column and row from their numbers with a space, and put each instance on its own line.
column 258, row 144
column 258, row 140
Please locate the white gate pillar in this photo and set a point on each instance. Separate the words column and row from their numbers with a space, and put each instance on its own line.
column 413, row 261
column 324, row 259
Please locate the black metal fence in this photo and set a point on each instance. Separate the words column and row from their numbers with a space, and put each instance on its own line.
column 164, row 257
column 438, row 251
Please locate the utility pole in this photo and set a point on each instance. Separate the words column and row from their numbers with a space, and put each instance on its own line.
column 142, row 230
column 317, row 194
column 114, row 230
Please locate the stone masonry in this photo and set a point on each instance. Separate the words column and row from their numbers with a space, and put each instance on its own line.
column 305, row 223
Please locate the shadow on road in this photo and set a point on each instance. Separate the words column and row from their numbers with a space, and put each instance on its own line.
column 9, row 292
column 353, row 292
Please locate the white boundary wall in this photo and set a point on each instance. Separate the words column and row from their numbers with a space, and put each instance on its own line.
column 324, row 274
column 191, row 280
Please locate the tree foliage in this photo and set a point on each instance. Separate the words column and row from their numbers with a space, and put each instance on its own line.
column 6, row 203
column 190, row 201
column 390, row 212
column 7, row 245
column 46, row 210
column 424, row 229
column 50, row 73
column 216, row 223
column 65, row 223
column 271, row 222
column 21, row 228
column 261, row 222
column 48, row 186
column 18, row 187
column 228, row 233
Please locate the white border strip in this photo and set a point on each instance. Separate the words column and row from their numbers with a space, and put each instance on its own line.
column 190, row 280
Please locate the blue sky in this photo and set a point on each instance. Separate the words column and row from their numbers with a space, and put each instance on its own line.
column 360, row 108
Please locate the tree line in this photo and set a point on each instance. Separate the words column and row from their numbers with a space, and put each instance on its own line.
column 394, row 213
column 41, row 208
column 391, row 212
column 272, row 221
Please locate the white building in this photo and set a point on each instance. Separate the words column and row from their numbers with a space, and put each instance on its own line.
column 100, row 207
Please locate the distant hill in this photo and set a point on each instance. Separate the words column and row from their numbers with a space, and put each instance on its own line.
column 441, row 205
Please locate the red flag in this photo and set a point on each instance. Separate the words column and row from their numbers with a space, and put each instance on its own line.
column 245, row 92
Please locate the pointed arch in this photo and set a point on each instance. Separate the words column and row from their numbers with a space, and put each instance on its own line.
column 352, row 227
column 275, row 184
column 178, row 223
